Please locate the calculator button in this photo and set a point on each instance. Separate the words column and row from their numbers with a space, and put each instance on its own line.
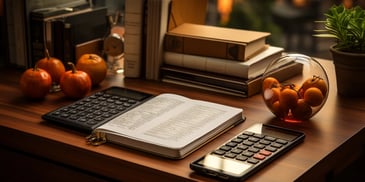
column 121, row 108
column 253, row 139
column 264, row 142
column 247, row 154
column 259, row 156
column 106, row 95
column 230, row 155
column 271, row 149
column 225, row 148
column 123, row 99
column 237, row 140
column 115, row 97
column 131, row 101
column 64, row 115
column 219, row 152
column 127, row 105
column 281, row 141
column 276, row 145
column 242, row 147
column 243, row 136
column 236, row 151
column 241, row 158
column 265, row 152
column 270, row 138
column 231, row 144
column 92, row 122
column 246, row 142
column 248, row 133
column 74, row 117
column 253, row 161
column 254, row 150
column 83, row 120
column 259, row 135
column 259, row 146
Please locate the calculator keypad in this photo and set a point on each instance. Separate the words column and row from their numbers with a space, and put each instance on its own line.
column 92, row 111
column 250, row 147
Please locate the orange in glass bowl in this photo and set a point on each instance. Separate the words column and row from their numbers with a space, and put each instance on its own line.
column 300, row 97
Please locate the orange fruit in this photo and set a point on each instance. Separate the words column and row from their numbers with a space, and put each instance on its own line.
column 53, row 66
column 35, row 83
column 313, row 96
column 302, row 111
column 278, row 110
column 288, row 98
column 271, row 95
column 315, row 81
column 94, row 66
column 270, row 82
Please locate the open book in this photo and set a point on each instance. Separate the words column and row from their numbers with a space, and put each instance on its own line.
column 168, row 125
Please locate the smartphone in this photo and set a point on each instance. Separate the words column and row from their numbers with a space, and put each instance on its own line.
column 247, row 152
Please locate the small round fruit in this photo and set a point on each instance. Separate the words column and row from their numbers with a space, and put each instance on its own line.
column 53, row 66
column 313, row 96
column 315, row 81
column 302, row 111
column 279, row 110
column 35, row 83
column 74, row 83
column 288, row 98
column 94, row 66
column 270, row 82
column 271, row 95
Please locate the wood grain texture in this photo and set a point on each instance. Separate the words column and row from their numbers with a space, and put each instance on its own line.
column 335, row 134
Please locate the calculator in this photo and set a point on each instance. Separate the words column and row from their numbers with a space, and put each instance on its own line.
column 92, row 111
column 248, row 152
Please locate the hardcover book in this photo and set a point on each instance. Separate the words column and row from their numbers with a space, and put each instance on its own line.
column 213, row 41
column 222, row 83
column 249, row 69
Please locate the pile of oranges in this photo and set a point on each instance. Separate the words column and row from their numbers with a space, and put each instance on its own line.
column 289, row 101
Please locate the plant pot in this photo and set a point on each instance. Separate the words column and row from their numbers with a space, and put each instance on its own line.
column 350, row 72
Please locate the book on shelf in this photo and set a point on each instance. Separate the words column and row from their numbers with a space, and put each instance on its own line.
column 223, row 83
column 133, row 37
column 156, row 27
column 169, row 125
column 213, row 41
column 249, row 69
column 62, row 32
column 146, row 22
column 16, row 33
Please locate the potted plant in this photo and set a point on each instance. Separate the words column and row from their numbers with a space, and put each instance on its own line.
column 347, row 27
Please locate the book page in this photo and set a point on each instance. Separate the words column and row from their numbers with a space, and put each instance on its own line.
column 171, row 120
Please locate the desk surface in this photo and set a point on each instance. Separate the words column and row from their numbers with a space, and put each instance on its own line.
column 335, row 133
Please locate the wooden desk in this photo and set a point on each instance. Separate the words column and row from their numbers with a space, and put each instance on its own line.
column 34, row 149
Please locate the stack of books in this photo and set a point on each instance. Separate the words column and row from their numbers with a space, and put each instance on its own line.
column 221, row 59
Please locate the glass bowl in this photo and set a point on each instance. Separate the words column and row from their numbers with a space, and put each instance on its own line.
column 300, row 97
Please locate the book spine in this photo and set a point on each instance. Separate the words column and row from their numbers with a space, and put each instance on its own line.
column 134, row 13
column 209, row 64
column 37, row 39
column 56, row 50
column 16, row 33
column 205, row 47
column 201, row 78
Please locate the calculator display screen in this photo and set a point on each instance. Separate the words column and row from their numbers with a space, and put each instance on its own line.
column 274, row 132
column 130, row 94
column 231, row 166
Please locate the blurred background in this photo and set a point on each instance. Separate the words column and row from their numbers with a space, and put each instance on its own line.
column 291, row 22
